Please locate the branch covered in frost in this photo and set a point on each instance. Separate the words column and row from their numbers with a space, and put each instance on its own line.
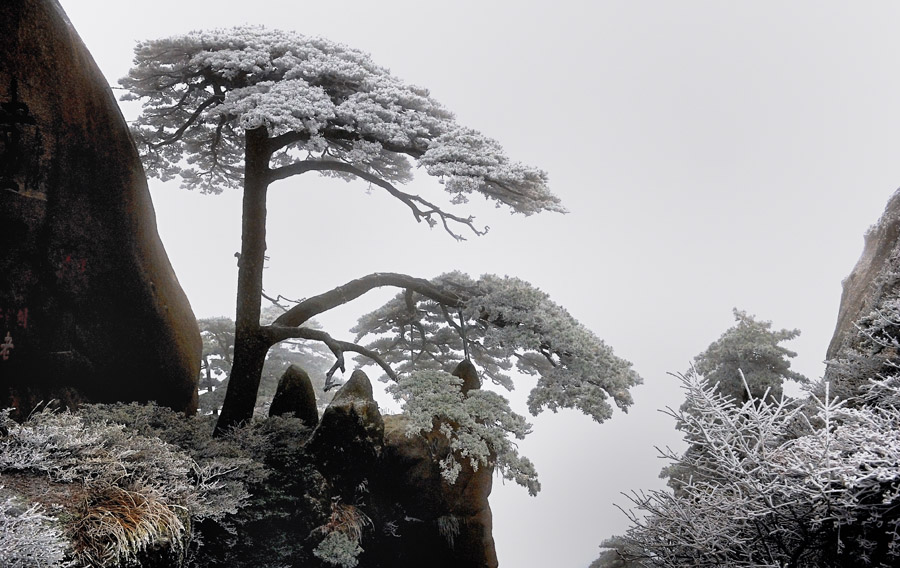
column 29, row 538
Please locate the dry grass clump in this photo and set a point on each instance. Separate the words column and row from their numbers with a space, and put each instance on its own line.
column 343, row 533
column 117, row 494
column 114, row 525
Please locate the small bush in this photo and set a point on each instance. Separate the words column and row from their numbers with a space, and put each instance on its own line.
column 338, row 549
column 28, row 537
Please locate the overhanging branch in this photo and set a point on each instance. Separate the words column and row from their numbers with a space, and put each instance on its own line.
column 276, row 333
column 421, row 208
column 316, row 305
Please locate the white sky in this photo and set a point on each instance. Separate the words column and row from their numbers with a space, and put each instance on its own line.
column 712, row 154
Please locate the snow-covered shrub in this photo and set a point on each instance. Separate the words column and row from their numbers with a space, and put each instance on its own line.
column 775, row 483
column 338, row 549
column 343, row 533
column 29, row 538
column 135, row 491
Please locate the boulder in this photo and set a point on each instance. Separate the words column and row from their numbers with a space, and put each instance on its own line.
column 466, row 371
column 446, row 525
column 295, row 395
column 870, row 300
column 348, row 442
column 90, row 308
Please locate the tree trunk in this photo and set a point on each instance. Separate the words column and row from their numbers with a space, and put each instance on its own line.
column 250, row 346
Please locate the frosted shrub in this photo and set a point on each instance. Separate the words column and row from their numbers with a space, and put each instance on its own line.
column 29, row 538
column 338, row 549
column 776, row 484
column 343, row 533
column 136, row 492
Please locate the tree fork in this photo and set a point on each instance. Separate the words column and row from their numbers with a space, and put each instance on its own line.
column 250, row 344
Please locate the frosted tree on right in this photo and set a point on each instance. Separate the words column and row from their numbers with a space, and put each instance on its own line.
column 776, row 483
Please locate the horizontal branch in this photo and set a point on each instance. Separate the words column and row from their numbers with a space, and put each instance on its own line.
column 427, row 210
column 339, row 296
column 276, row 333
column 339, row 134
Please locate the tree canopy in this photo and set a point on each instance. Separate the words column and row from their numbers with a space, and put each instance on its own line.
column 325, row 107
column 501, row 323
column 751, row 347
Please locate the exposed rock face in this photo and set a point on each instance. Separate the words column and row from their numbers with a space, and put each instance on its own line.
column 349, row 440
column 417, row 517
column 446, row 525
column 295, row 394
column 451, row 522
column 871, row 279
column 90, row 308
column 871, row 294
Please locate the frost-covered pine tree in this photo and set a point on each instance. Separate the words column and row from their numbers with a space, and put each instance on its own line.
column 246, row 107
column 753, row 348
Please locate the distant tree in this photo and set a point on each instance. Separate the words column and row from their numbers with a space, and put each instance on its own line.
column 751, row 346
column 246, row 107
column 218, row 349
column 746, row 363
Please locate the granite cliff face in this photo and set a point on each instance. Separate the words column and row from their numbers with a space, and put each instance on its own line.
column 869, row 313
column 90, row 308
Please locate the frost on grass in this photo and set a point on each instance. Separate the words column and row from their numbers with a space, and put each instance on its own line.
column 134, row 492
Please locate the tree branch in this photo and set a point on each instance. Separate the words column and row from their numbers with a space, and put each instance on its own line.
column 275, row 333
column 412, row 201
column 339, row 296
column 339, row 134
column 176, row 136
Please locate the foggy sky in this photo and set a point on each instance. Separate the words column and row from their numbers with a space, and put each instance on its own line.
column 712, row 155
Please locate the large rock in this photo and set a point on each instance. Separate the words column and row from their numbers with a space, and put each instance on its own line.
column 348, row 442
column 295, row 395
column 871, row 301
column 90, row 308
column 446, row 525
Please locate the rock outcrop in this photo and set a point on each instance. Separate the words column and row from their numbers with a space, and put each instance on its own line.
column 90, row 308
column 393, row 479
column 295, row 395
column 349, row 440
column 869, row 313
column 445, row 525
